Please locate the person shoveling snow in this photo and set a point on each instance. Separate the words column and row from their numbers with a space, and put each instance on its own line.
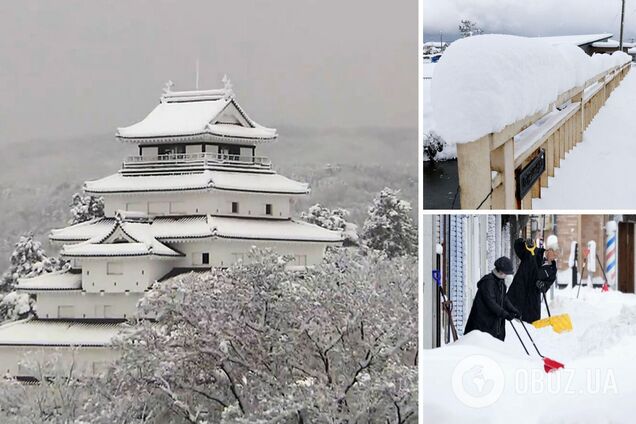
column 491, row 306
column 536, row 273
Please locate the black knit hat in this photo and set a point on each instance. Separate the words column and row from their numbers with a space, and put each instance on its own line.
column 504, row 265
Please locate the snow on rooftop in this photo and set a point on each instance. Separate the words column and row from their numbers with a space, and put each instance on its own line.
column 58, row 333
column 267, row 183
column 83, row 231
column 97, row 250
column 611, row 44
column 51, row 281
column 576, row 40
column 267, row 229
column 172, row 229
column 139, row 242
column 174, row 119
column 189, row 113
column 238, row 131
column 486, row 82
column 253, row 182
column 607, row 44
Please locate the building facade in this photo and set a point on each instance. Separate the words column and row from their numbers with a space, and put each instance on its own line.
column 464, row 247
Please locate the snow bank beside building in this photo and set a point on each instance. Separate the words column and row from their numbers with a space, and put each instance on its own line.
column 486, row 82
column 598, row 383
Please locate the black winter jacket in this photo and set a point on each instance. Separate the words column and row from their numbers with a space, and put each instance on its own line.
column 533, row 277
column 490, row 307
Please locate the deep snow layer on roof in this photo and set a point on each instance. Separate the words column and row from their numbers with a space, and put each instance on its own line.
column 189, row 113
column 486, row 82
column 58, row 333
column 179, row 118
column 195, row 227
column 576, row 40
column 222, row 180
column 139, row 238
column 52, row 281
column 83, row 231
column 272, row 230
column 612, row 44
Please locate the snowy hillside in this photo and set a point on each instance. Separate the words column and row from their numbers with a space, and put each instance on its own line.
column 504, row 385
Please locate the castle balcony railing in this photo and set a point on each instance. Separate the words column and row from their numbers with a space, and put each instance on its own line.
column 192, row 161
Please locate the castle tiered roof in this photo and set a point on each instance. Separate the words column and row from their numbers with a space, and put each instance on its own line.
column 58, row 333
column 51, row 281
column 175, row 229
column 220, row 180
column 122, row 239
column 212, row 114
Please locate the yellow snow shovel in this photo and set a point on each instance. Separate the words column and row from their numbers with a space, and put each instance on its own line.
column 560, row 323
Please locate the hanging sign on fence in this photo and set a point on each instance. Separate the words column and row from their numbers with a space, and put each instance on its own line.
column 529, row 175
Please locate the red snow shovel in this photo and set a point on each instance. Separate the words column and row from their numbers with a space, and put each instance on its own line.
column 549, row 365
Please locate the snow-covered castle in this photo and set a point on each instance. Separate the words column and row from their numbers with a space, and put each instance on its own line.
column 195, row 197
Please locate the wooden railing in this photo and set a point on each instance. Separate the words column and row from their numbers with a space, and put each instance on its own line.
column 506, row 170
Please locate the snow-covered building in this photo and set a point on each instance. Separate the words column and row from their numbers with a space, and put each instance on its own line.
column 196, row 196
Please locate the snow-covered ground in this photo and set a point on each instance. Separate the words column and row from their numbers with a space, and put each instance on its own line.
column 606, row 157
column 480, row 379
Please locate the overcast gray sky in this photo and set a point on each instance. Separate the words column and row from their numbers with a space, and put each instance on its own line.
column 73, row 67
column 531, row 17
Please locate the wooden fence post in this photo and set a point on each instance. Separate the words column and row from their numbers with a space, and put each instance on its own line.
column 475, row 178
column 502, row 160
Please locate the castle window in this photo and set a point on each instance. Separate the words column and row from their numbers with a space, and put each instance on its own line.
column 235, row 207
column 300, row 260
column 171, row 149
column 268, row 209
column 205, row 258
column 114, row 268
column 65, row 311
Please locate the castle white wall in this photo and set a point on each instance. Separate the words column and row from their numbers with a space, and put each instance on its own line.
column 79, row 305
column 224, row 252
column 215, row 202
column 85, row 360
column 118, row 275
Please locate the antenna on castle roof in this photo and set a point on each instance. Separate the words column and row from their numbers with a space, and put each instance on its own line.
column 197, row 78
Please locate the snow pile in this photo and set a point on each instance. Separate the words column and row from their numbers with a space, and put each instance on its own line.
column 598, row 383
column 486, row 82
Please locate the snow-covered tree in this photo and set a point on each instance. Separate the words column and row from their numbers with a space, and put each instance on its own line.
column 28, row 260
column 332, row 219
column 258, row 343
column 389, row 226
column 469, row 28
column 58, row 399
column 85, row 208
column 14, row 306
column 433, row 144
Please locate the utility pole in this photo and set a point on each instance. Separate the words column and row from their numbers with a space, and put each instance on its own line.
column 620, row 46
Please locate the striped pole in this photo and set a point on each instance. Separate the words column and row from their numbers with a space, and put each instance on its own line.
column 610, row 253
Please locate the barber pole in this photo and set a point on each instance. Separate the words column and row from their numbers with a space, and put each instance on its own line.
column 610, row 253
